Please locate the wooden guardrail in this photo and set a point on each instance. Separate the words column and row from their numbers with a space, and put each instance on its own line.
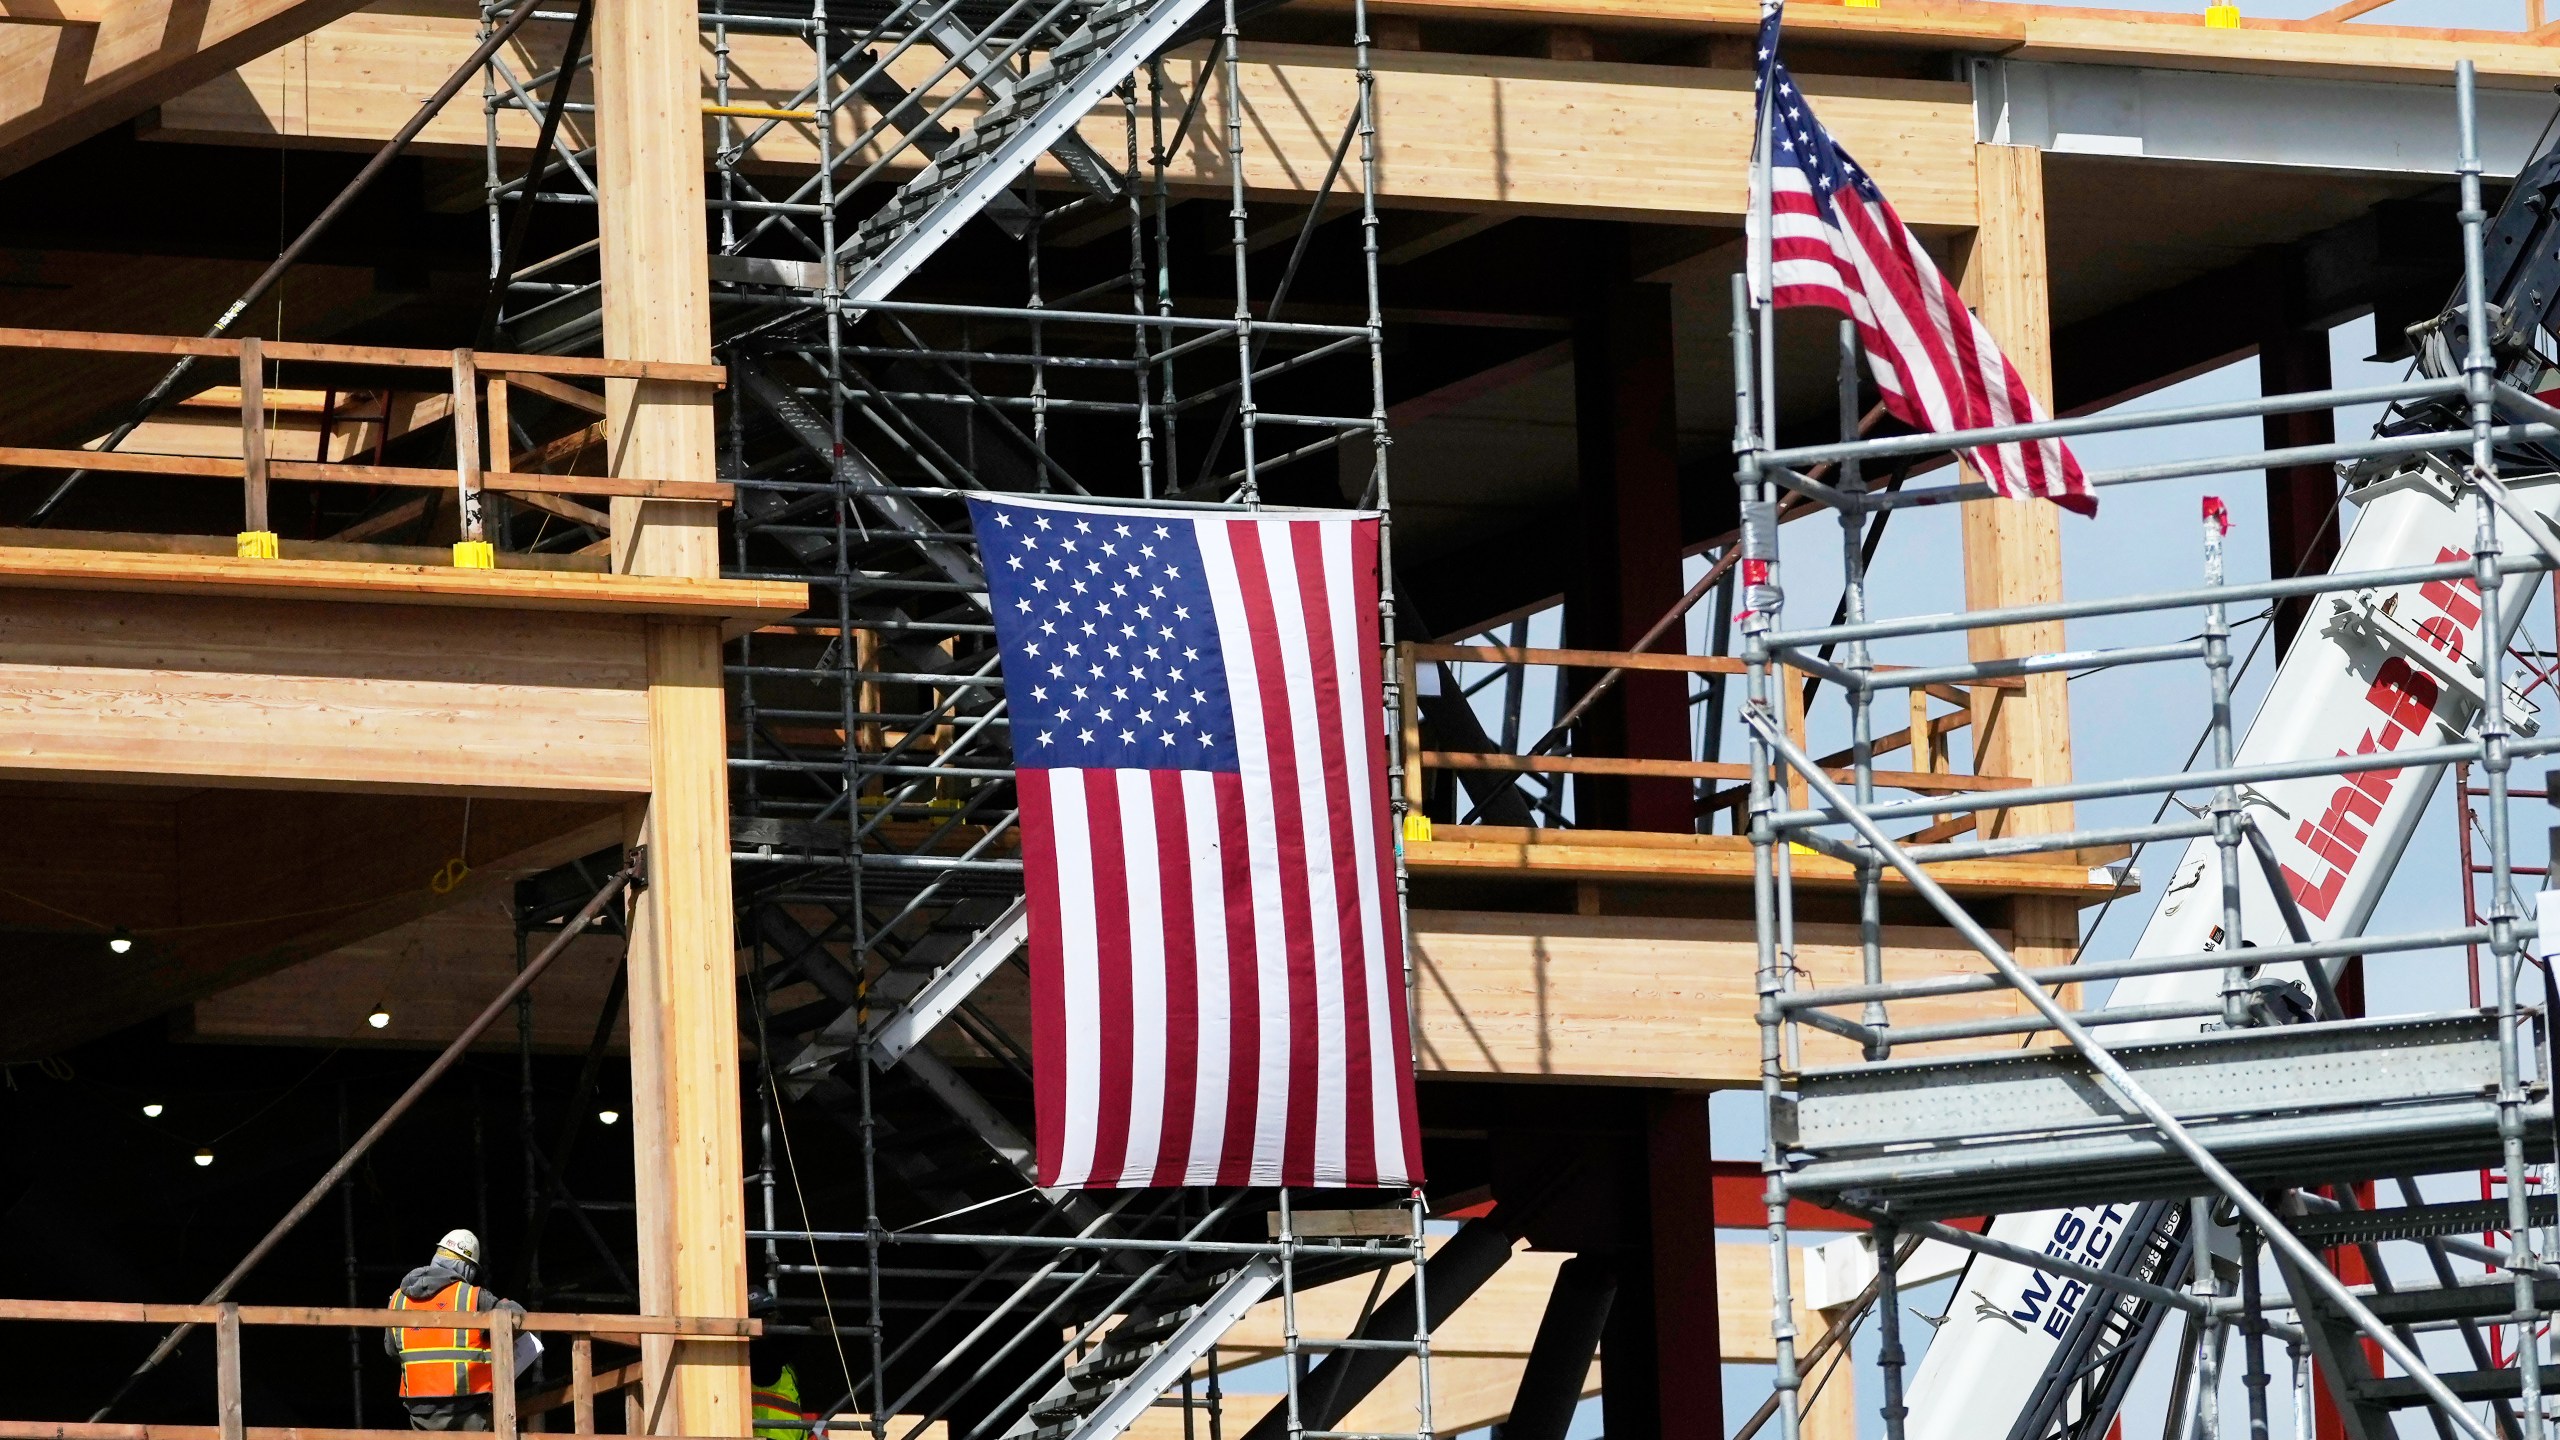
column 227, row 1321
column 1926, row 737
column 477, row 385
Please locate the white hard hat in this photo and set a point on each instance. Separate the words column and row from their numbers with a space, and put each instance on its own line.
column 461, row 1245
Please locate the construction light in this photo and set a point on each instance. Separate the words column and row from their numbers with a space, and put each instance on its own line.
column 151, row 1109
column 379, row 1018
column 203, row 1158
column 121, row 941
column 609, row 1117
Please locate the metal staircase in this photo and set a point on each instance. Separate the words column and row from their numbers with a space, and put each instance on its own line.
column 1144, row 1355
column 878, row 102
column 1026, row 118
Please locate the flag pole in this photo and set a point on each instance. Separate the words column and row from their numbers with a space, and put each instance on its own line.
column 1763, row 211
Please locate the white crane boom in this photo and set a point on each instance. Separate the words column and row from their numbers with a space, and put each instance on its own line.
column 2372, row 671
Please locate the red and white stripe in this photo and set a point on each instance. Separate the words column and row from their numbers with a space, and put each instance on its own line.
column 1217, row 963
column 1933, row 359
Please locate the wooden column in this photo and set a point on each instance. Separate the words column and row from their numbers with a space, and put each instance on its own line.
column 657, row 284
column 684, row 1035
column 2013, row 548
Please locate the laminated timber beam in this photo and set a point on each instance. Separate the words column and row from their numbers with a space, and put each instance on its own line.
column 1497, row 134
column 212, row 671
column 472, row 947
column 2045, row 32
column 1610, row 999
column 1510, row 995
column 85, row 65
column 218, row 887
column 1639, row 999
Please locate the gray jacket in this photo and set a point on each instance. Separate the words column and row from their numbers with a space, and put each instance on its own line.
column 426, row 1283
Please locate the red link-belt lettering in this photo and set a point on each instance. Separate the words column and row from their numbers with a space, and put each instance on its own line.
column 2406, row 698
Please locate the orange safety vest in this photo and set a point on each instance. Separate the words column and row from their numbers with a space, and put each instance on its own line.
column 444, row 1362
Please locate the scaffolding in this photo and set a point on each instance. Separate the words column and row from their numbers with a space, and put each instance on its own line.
column 951, row 245
column 2233, row 1129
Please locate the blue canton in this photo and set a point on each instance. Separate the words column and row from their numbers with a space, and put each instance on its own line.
column 1797, row 139
column 1108, row 639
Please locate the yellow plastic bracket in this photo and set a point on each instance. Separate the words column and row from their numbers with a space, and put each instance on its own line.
column 1417, row 828
column 474, row 555
column 258, row 545
column 2222, row 17
column 1863, row 4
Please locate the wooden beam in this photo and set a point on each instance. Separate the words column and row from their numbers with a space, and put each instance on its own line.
column 220, row 887
column 1406, row 243
column 1608, row 999
column 432, row 974
column 343, row 548
column 1638, row 999
column 493, row 362
column 208, row 424
column 179, row 686
column 731, row 606
column 56, row 12
column 61, row 83
column 1500, row 135
column 2173, row 40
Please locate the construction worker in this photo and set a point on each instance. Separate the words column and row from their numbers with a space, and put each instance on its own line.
column 446, row 1372
column 778, row 1415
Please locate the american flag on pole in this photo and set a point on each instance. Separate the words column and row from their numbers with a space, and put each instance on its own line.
column 1835, row 242
column 1217, row 964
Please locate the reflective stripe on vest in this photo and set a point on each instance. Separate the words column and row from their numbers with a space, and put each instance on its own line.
column 443, row 1362
column 779, row 1416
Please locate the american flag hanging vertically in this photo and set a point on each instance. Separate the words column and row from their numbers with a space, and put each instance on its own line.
column 1217, row 967
column 1835, row 242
